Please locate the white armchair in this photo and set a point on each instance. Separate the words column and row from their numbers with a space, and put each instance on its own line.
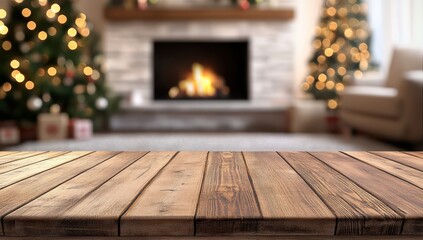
column 393, row 111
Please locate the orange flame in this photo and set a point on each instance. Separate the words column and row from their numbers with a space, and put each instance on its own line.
column 200, row 83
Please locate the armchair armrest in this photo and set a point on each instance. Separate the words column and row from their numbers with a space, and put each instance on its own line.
column 411, row 91
column 374, row 101
column 414, row 76
column 412, row 81
column 373, row 78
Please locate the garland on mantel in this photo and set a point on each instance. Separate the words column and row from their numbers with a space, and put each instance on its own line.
column 145, row 4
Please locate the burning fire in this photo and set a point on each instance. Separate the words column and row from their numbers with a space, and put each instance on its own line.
column 202, row 83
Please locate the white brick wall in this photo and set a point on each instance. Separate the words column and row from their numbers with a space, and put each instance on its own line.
column 129, row 55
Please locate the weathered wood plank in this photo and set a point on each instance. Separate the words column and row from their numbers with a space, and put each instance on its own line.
column 227, row 204
column 168, row 205
column 399, row 195
column 411, row 161
column 357, row 211
column 256, row 237
column 404, row 172
column 17, row 156
column 93, row 204
column 199, row 14
column 20, row 193
column 38, row 216
column 288, row 204
column 28, row 161
column 246, row 197
column 417, row 154
column 4, row 153
column 19, row 174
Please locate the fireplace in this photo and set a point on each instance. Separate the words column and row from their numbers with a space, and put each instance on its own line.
column 200, row 70
column 149, row 61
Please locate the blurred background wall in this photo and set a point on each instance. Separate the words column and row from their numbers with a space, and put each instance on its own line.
column 390, row 20
column 306, row 17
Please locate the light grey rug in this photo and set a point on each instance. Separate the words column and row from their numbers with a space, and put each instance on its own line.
column 212, row 142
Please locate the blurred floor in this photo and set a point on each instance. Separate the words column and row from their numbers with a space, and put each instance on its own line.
column 212, row 142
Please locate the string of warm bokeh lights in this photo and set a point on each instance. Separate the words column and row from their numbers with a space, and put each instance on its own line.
column 337, row 56
column 57, row 73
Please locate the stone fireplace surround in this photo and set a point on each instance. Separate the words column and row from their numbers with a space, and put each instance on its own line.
column 129, row 46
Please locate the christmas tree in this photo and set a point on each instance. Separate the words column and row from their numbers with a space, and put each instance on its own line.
column 341, row 49
column 50, row 62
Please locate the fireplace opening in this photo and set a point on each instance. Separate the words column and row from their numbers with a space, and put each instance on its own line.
column 200, row 70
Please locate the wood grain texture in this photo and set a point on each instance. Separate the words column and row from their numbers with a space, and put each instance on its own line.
column 28, row 161
column 357, row 211
column 399, row 195
column 227, row 203
column 4, row 153
column 19, row 174
column 17, row 156
column 406, row 159
column 45, row 215
column 121, row 14
column 416, row 154
column 116, row 195
column 287, row 203
column 18, row 194
column 404, row 172
column 168, row 205
column 256, row 237
column 209, row 195
column 100, row 207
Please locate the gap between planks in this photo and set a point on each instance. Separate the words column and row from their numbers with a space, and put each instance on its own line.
column 18, row 156
column 226, row 204
column 17, row 175
column 401, row 171
column 139, row 193
column 116, row 189
column 169, row 203
column 18, row 194
column 390, row 189
column 5, row 153
column 251, row 181
column 406, row 159
column 358, row 211
column 7, row 167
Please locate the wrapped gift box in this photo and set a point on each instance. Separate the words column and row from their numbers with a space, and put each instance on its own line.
column 52, row 126
column 80, row 128
column 9, row 134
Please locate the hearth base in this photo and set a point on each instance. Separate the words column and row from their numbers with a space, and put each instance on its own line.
column 177, row 120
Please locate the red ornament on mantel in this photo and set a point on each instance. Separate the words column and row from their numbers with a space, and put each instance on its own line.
column 244, row 4
column 142, row 4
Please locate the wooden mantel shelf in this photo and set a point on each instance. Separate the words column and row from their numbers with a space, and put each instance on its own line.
column 121, row 14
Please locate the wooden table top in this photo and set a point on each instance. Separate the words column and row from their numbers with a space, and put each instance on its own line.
column 211, row 193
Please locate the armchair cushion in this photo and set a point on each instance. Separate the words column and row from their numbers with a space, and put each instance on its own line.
column 403, row 60
column 372, row 101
